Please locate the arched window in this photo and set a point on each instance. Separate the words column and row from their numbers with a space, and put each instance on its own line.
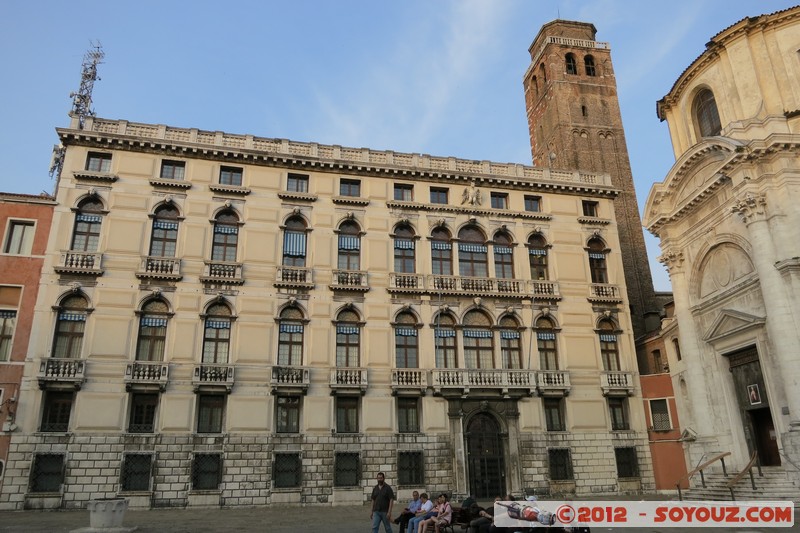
column 677, row 346
column 478, row 340
column 706, row 115
column 537, row 256
column 152, row 337
column 472, row 253
column 70, row 326
column 164, row 235
column 348, row 339
column 88, row 219
column 546, row 344
column 349, row 246
column 571, row 64
column 510, row 345
column 217, row 334
column 597, row 261
column 445, row 336
column 609, row 351
column 543, row 73
column 441, row 252
column 503, row 256
column 588, row 65
column 290, row 337
column 294, row 242
column 406, row 346
column 226, row 237
column 404, row 260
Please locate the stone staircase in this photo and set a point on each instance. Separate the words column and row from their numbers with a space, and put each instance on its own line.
column 775, row 485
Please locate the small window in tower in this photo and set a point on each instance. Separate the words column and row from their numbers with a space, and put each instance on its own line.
column 572, row 65
column 706, row 114
column 588, row 63
column 584, row 111
column 543, row 73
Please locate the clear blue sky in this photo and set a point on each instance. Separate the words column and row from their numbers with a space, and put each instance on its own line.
column 442, row 77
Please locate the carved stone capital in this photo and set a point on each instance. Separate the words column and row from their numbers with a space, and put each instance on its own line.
column 672, row 260
column 751, row 207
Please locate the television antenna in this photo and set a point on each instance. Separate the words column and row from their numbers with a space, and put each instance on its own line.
column 82, row 100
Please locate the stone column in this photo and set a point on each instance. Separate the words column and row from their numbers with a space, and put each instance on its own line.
column 781, row 323
column 513, row 466
column 456, row 416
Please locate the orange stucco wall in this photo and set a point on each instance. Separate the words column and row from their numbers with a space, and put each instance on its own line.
column 669, row 464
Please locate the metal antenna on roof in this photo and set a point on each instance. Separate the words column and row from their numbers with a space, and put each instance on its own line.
column 82, row 100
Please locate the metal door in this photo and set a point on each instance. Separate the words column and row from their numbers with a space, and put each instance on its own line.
column 485, row 458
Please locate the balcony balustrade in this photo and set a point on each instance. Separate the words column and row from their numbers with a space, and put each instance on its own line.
column 604, row 292
column 290, row 379
column 223, row 272
column 399, row 282
column 503, row 379
column 553, row 382
column 471, row 286
column 213, row 376
column 348, row 379
column 617, row 383
column 544, row 290
column 153, row 267
column 409, row 379
column 349, row 280
column 61, row 373
column 146, row 374
column 294, row 277
column 74, row 262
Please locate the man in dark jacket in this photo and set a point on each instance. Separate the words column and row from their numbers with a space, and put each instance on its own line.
column 382, row 501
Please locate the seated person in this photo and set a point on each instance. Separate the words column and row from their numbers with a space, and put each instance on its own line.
column 444, row 514
column 409, row 512
column 425, row 511
column 483, row 518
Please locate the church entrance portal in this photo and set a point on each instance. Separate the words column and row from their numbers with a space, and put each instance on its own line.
column 485, row 457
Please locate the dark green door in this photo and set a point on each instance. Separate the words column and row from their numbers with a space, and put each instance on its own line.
column 485, row 458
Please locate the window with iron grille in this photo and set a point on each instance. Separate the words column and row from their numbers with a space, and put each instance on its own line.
column 19, row 240
column 588, row 63
column 659, row 414
column 287, row 470
column 347, row 469
column 571, row 64
column 349, row 187
column 210, row 408
column 230, row 176
column 627, row 465
column 560, row 464
column 410, row 468
column 206, row 471
column 143, row 413
column 57, row 407
column 172, row 170
column 47, row 472
column 287, row 414
column 297, row 182
column 408, row 415
column 554, row 414
column 98, row 162
column 136, row 468
column 618, row 411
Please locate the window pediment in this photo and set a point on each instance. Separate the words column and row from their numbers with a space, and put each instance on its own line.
column 731, row 322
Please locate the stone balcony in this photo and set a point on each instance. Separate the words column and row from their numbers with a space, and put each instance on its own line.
column 146, row 375
column 75, row 262
column 553, row 383
column 617, row 383
column 222, row 272
column 348, row 380
column 503, row 381
column 605, row 293
column 290, row 379
column 349, row 280
column 293, row 277
column 212, row 377
column 166, row 268
column 544, row 290
column 469, row 286
column 409, row 381
column 61, row 373
column 406, row 283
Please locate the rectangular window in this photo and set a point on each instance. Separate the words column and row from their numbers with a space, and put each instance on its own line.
column 349, row 187
column 136, row 468
column 533, row 203
column 287, row 416
column 98, row 162
column 403, row 192
column 410, row 468
column 47, row 472
column 346, row 414
column 589, row 208
column 560, row 464
column 554, row 414
column 346, row 469
column 19, row 240
column 439, row 196
column 8, row 321
column 297, row 182
column 618, row 412
column 408, row 415
column 499, row 200
column 210, row 408
column 143, row 413
column 206, row 471
column 172, row 170
column 57, row 408
column 659, row 415
column 229, row 176
column 286, row 471
column 627, row 465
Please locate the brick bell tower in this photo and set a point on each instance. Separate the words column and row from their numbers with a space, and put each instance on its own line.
column 575, row 124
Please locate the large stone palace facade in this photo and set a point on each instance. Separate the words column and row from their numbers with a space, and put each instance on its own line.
column 235, row 320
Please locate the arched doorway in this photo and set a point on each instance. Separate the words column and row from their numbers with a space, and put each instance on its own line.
column 485, row 458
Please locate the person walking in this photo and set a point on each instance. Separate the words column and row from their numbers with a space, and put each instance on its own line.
column 382, row 501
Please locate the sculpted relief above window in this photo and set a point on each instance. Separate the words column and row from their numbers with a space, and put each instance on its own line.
column 724, row 266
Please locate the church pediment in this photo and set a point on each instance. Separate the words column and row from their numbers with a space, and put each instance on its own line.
column 730, row 322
